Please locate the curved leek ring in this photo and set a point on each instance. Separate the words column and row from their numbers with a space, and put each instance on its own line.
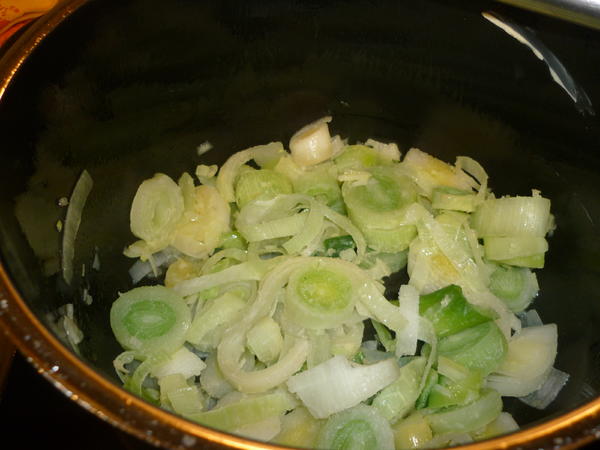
column 150, row 319
column 156, row 210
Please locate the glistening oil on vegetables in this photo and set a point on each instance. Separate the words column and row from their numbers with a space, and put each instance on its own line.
column 274, row 265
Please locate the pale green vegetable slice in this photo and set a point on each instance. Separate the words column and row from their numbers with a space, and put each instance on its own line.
column 337, row 384
column 467, row 418
column 320, row 295
column 200, row 230
column 412, row 432
column 482, row 347
column 512, row 216
column 397, row 399
column 530, row 357
column 312, row 143
column 156, row 210
column 150, row 319
column 263, row 184
column 248, row 410
column 181, row 397
column 230, row 169
column 220, row 311
column 183, row 362
column 516, row 286
column 357, row 428
column 429, row 172
column 453, row 199
column 501, row 248
column 265, row 340
column 299, row 429
column 379, row 208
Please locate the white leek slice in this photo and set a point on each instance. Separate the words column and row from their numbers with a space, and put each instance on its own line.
column 546, row 394
column 358, row 428
column 183, row 362
column 201, row 229
column 320, row 294
column 337, row 384
column 72, row 221
column 229, row 170
column 386, row 150
column 156, row 210
column 397, row 399
column 312, row 143
column 467, row 418
column 246, row 271
column 219, row 311
column 429, row 172
column 299, row 429
column 265, row 430
column 265, row 340
column 232, row 346
column 248, row 410
column 528, row 361
column 512, row 216
column 407, row 337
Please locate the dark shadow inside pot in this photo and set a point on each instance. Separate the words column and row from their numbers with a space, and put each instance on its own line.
column 129, row 88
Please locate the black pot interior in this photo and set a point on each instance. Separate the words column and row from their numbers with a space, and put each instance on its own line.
column 125, row 89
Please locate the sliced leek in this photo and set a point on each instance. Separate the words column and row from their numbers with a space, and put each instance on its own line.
column 285, row 316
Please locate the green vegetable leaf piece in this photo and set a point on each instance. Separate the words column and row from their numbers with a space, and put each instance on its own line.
column 450, row 312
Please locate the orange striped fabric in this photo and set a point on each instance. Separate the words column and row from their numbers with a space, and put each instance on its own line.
column 14, row 14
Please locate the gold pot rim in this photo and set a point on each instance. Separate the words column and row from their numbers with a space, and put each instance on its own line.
column 108, row 401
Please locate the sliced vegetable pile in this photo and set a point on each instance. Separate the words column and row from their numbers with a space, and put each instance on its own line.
column 272, row 321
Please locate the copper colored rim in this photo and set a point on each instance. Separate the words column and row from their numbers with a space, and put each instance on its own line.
column 109, row 402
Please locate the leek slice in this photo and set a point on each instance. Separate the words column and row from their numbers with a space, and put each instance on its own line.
column 453, row 199
column 265, row 340
column 230, row 169
column 482, row 347
column 397, row 399
column 337, row 384
column 412, row 432
column 429, row 172
column 357, row 428
column 77, row 201
column 528, row 361
column 321, row 183
column 248, row 410
column 533, row 261
column 299, row 429
column 233, row 343
column 156, row 210
column 312, row 143
column 217, row 312
column 263, row 184
column 512, row 216
column 449, row 312
column 517, row 287
column 467, row 418
column 504, row 424
column 379, row 208
column 200, row 230
column 320, row 295
column 184, row 399
column 182, row 362
column 150, row 319
column 358, row 157
column 505, row 248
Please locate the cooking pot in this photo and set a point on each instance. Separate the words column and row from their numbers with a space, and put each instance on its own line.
column 124, row 89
